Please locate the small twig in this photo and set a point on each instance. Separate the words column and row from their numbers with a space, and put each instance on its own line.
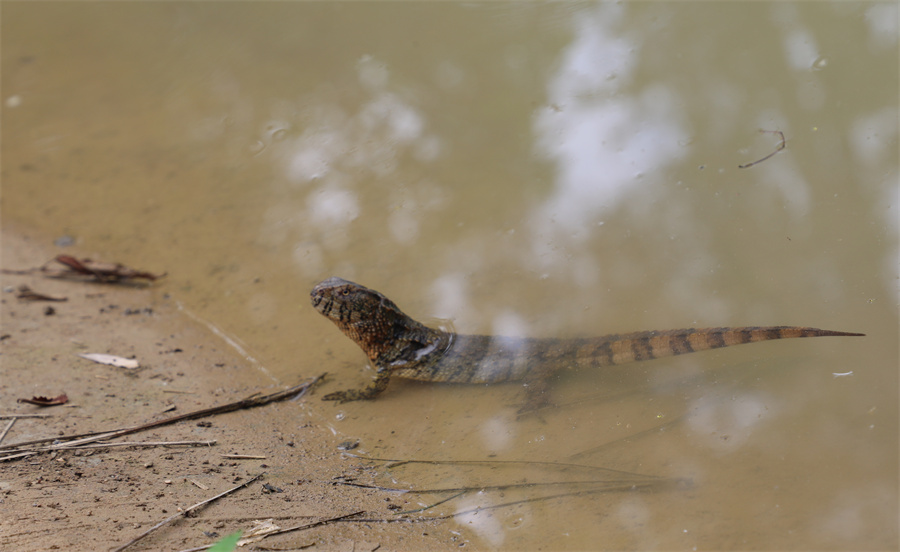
column 250, row 402
column 198, row 484
column 86, row 440
column 185, row 512
column 4, row 416
column 242, row 457
column 143, row 444
column 6, row 430
column 14, row 456
column 85, row 444
column 778, row 148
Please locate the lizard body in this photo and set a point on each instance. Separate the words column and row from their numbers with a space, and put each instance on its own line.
column 399, row 346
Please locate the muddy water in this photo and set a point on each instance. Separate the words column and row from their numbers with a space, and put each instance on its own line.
column 570, row 169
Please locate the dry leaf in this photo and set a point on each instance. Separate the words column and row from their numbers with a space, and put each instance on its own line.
column 103, row 272
column 46, row 401
column 112, row 360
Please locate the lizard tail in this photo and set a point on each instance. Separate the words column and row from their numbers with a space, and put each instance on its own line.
column 633, row 347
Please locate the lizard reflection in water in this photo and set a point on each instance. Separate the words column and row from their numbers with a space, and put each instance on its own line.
column 399, row 346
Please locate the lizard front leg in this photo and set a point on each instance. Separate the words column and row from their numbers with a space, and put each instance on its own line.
column 374, row 389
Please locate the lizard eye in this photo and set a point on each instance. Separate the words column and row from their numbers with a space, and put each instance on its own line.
column 345, row 292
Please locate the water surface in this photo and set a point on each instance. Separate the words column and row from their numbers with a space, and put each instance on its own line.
column 548, row 170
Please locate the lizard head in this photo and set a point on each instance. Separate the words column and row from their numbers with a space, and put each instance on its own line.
column 364, row 315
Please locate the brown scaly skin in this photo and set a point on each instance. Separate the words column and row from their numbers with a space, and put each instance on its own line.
column 399, row 346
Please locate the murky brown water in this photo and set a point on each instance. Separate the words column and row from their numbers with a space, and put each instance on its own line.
column 566, row 169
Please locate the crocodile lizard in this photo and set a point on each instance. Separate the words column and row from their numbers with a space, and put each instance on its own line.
column 399, row 346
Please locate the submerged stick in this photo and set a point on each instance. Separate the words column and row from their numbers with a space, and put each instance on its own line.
column 501, row 487
column 598, row 486
column 649, row 485
column 780, row 147
column 626, row 487
column 395, row 463
column 622, row 440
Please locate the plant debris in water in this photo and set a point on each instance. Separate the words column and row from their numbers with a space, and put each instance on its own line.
column 778, row 148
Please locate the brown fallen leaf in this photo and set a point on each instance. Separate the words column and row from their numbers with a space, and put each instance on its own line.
column 28, row 294
column 45, row 401
column 102, row 272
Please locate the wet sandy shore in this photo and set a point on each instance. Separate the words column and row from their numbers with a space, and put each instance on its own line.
column 101, row 498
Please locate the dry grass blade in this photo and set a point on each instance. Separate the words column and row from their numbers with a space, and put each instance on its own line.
column 502, row 487
column 562, row 465
column 649, row 485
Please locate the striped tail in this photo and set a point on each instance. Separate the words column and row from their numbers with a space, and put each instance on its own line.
column 638, row 346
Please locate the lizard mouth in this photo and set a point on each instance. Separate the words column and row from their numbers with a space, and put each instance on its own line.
column 320, row 302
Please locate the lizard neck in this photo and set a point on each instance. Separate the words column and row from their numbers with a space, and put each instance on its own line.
column 413, row 345
column 393, row 337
